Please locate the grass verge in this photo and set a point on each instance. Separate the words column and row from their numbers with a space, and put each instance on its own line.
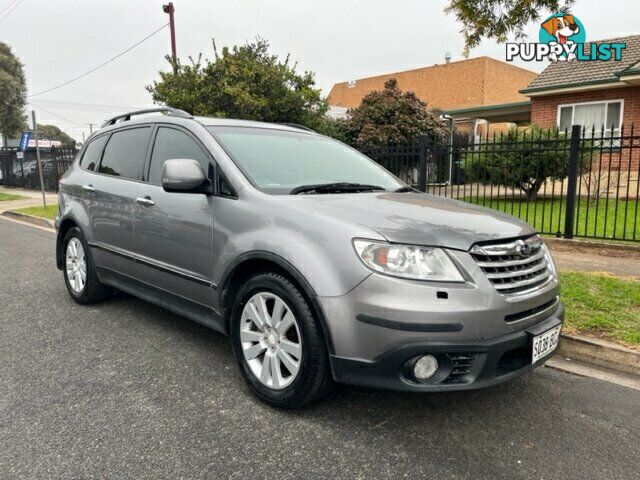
column 5, row 197
column 602, row 305
column 605, row 218
column 50, row 212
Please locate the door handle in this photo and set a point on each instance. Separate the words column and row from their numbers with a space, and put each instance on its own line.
column 145, row 201
column 88, row 188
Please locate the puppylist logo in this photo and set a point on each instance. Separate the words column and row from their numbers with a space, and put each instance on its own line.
column 562, row 38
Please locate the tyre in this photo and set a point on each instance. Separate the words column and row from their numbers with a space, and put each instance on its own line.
column 79, row 270
column 279, row 344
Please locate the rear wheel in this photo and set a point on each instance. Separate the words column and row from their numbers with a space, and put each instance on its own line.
column 279, row 344
column 79, row 271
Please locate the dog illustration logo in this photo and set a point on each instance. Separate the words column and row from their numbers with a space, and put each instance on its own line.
column 562, row 29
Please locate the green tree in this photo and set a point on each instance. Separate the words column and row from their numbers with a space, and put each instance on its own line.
column 244, row 82
column 51, row 132
column 13, row 92
column 499, row 19
column 391, row 117
column 523, row 159
column 332, row 127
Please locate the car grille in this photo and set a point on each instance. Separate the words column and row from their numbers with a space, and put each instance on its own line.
column 515, row 268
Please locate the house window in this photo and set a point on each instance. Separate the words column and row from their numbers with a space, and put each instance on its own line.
column 593, row 116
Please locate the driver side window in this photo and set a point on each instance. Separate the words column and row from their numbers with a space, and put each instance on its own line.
column 171, row 143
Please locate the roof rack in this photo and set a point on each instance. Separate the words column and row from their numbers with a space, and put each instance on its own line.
column 299, row 127
column 127, row 116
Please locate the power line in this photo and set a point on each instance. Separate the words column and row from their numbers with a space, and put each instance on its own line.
column 86, row 108
column 9, row 4
column 38, row 107
column 85, row 104
column 101, row 65
column 15, row 5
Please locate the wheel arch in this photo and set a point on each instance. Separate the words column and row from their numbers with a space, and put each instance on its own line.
column 249, row 264
column 65, row 225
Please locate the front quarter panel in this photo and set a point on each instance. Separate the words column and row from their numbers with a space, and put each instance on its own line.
column 318, row 247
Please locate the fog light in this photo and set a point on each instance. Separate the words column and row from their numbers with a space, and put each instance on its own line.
column 425, row 367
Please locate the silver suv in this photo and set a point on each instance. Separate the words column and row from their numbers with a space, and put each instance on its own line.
column 319, row 264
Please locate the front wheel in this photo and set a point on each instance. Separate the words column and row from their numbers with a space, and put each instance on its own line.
column 279, row 344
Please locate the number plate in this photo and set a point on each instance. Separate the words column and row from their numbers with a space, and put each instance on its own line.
column 545, row 343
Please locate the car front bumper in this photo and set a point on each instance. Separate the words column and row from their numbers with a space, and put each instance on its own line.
column 479, row 337
column 464, row 365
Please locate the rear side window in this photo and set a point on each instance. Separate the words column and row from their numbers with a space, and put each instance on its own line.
column 125, row 153
column 91, row 156
column 171, row 144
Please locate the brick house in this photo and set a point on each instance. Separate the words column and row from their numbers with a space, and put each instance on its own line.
column 596, row 95
column 478, row 83
column 593, row 94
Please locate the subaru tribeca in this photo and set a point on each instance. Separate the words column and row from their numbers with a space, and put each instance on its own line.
column 319, row 264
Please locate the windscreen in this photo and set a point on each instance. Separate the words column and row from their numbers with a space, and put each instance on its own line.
column 277, row 161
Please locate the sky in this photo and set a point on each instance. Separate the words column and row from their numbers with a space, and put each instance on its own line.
column 339, row 40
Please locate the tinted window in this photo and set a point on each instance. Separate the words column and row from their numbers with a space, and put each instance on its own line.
column 125, row 153
column 92, row 153
column 171, row 144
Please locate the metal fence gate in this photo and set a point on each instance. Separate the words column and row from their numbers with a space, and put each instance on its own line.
column 23, row 172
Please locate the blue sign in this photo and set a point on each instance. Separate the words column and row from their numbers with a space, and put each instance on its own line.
column 24, row 141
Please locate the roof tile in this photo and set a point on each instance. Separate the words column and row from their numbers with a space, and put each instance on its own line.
column 562, row 74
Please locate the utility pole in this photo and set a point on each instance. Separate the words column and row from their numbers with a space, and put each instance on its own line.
column 90, row 128
column 35, row 134
column 169, row 8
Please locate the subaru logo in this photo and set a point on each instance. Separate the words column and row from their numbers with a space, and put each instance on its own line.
column 522, row 248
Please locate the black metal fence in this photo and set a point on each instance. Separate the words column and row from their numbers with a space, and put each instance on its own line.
column 582, row 183
column 23, row 172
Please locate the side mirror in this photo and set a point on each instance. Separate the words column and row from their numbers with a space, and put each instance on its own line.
column 184, row 175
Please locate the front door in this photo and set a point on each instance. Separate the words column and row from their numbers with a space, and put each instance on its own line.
column 174, row 231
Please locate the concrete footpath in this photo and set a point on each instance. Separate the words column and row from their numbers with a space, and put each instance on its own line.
column 572, row 256
column 584, row 262
column 33, row 198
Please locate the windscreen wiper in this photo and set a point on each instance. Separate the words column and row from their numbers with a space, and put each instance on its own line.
column 340, row 187
column 405, row 189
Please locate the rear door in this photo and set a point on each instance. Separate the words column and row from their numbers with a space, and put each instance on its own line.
column 174, row 231
column 115, row 187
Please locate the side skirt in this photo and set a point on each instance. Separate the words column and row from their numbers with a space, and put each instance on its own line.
column 181, row 306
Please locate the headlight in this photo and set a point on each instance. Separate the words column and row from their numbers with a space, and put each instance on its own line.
column 550, row 261
column 408, row 261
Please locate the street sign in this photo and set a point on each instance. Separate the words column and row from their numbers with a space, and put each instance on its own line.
column 24, row 141
column 19, row 155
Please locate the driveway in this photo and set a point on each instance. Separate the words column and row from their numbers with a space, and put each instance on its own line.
column 125, row 390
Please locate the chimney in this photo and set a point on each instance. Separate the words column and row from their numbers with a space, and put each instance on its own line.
column 447, row 57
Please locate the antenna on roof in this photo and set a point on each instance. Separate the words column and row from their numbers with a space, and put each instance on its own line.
column 447, row 57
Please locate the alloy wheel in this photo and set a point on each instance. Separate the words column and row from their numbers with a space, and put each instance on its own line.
column 76, row 265
column 271, row 341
